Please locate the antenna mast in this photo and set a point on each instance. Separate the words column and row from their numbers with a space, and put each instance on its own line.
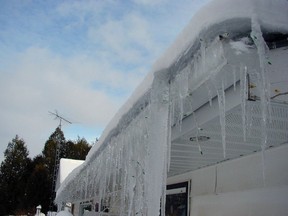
column 57, row 116
column 57, row 160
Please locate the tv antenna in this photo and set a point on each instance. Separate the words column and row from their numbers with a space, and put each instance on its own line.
column 57, row 116
column 57, row 159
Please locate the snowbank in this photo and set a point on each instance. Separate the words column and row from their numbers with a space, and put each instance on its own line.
column 64, row 213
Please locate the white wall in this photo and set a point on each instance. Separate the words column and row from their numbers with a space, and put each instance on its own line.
column 237, row 187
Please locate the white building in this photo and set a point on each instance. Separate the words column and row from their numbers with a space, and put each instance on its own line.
column 66, row 166
column 207, row 129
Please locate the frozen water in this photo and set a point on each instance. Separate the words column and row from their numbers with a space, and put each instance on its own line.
column 244, row 97
column 234, row 77
column 209, row 93
column 263, row 83
column 262, row 48
column 221, row 103
column 241, row 46
column 197, row 133
column 128, row 171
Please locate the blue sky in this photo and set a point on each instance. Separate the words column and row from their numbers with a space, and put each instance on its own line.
column 81, row 58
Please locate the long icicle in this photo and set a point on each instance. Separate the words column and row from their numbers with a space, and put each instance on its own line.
column 243, row 93
column 264, row 86
column 221, row 103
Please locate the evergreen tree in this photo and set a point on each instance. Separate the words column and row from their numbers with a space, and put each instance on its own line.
column 24, row 184
column 14, row 172
column 56, row 140
column 38, row 186
column 78, row 149
column 49, row 151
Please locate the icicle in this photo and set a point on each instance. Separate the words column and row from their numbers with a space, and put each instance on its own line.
column 156, row 176
column 131, row 171
column 170, row 120
column 249, row 119
column 86, row 183
column 197, row 140
column 105, row 176
column 197, row 133
column 263, row 167
column 131, row 180
column 180, row 90
column 209, row 93
column 264, row 86
column 243, row 95
column 207, row 63
column 181, row 113
column 100, row 187
column 203, row 54
column 262, row 50
column 221, row 103
column 115, row 159
column 234, row 77
column 124, row 182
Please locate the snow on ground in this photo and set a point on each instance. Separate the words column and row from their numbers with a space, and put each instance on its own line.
column 64, row 213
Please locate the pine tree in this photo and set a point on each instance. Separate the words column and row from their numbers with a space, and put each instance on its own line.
column 49, row 151
column 55, row 141
column 14, row 172
column 78, row 149
column 38, row 186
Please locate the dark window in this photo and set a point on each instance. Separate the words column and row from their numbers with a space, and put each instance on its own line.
column 177, row 199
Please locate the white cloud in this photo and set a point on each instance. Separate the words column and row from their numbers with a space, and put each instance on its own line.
column 149, row 2
column 129, row 38
column 77, row 8
column 41, row 81
column 85, row 12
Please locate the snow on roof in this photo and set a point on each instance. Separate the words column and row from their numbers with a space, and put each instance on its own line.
column 272, row 15
column 65, row 168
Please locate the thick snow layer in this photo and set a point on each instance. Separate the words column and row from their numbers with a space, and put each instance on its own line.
column 272, row 14
column 132, row 155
